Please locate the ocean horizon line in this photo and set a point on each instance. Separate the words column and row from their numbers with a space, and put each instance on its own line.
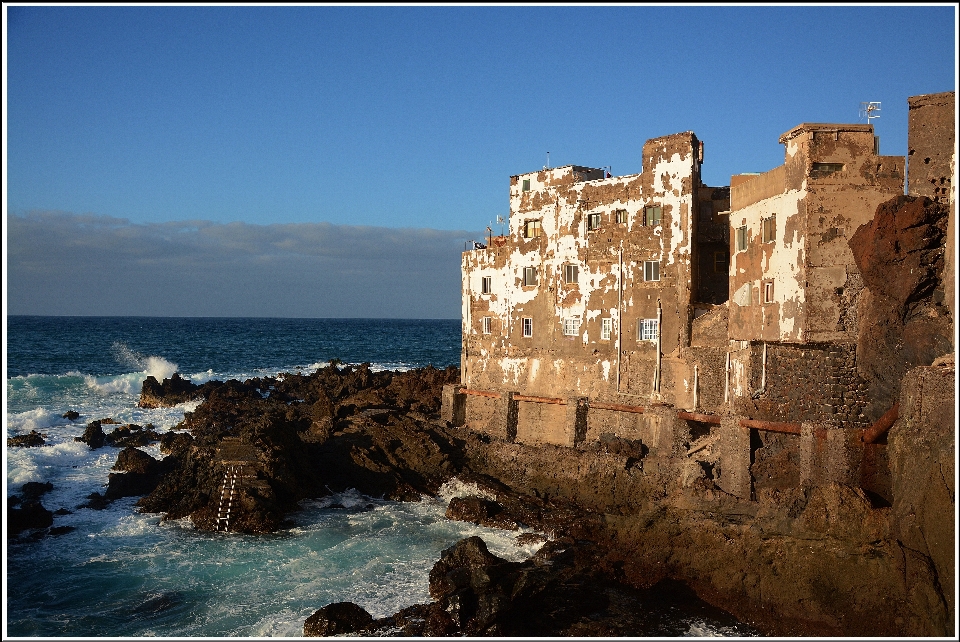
column 149, row 316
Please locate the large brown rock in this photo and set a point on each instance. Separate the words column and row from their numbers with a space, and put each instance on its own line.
column 338, row 618
column 903, row 321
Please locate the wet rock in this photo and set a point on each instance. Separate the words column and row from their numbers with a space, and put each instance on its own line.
column 26, row 514
column 72, row 415
column 338, row 618
column 35, row 490
column 172, row 441
column 139, row 474
column 132, row 435
column 29, row 440
column 60, row 530
column 173, row 391
column 479, row 510
column 96, row 502
column 93, row 436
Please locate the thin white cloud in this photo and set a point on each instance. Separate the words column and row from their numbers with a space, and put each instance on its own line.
column 61, row 263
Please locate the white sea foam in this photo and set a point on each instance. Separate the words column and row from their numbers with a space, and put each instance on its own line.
column 151, row 365
column 457, row 488
column 37, row 419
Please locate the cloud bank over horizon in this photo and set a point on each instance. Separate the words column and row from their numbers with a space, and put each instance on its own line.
column 61, row 263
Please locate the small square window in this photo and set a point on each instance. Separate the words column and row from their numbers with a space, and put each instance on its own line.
column 487, row 324
column 606, row 329
column 571, row 326
column 571, row 273
column 768, row 291
column 741, row 238
column 529, row 276
column 526, row 185
column 620, row 216
column 652, row 215
column 721, row 262
column 593, row 221
column 486, row 285
column 769, row 231
column 647, row 330
column 527, row 327
column 651, row 270
column 531, row 229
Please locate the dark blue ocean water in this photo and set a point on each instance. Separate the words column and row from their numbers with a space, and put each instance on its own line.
column 118, row 572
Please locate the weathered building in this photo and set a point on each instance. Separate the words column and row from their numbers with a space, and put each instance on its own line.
column 589, row 298
column 717, row 327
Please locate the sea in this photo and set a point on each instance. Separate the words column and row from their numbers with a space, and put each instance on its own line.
column 119, row 572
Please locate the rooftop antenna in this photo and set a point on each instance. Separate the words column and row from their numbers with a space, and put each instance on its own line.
column 500, row 222
column 870, row 110
column 547, row 166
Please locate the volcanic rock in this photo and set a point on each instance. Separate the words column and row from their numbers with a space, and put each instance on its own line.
column 132, row 435
column 336, row 619
column 72, row 415
column 29, row 440
column 24, row 515
column 93, row 435
column 172, row 391
column 479, row 510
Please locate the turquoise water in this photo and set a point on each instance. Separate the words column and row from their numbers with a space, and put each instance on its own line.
column 121, row 573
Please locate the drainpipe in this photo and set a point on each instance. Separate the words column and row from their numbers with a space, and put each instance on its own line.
column 696, row 386
column 656, row 371
column 619, row 308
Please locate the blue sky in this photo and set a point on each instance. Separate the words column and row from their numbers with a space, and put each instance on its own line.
column 413, row 117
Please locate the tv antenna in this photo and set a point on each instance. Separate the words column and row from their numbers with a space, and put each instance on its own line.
column 500, row 221
column 547, row 166
column 869, row 110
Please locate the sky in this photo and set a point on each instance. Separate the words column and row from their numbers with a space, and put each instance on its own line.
column 322, row 161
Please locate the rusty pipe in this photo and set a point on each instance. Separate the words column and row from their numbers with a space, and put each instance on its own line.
column 481, row 393
column 535, row 399
column 772, row 426
column 615, row 406
column 882, row 425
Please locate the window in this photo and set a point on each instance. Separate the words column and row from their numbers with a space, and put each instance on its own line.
column 571, row 326
column 486, row 285
column 706, row 211
column 647, row 330
column 526, row 185
column 620, row 216
column 769, row 231
column 741, row 238
column 593, row 221
column 531, row 229
column 827, row 168
column 529, row 276
column 652, row 215
column 606, row 329
column 720, row 262
column 527, row 327
column 768, row 291
column 571, row 273
column 486, row 325
column 651, row 270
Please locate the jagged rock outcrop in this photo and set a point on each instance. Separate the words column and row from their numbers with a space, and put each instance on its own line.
column 904, row 322
column 26, row 512
column 336, row 619
column 172, row 391
column 93, row 436
column 28, row 440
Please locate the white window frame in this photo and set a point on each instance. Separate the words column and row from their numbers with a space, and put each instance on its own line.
column 527, row 326
column 768, row 291
column 651, row 271
column 621, row 215
column 593, row 221
column 741, row 238
column 487, row 325
column 647, row 330
column 571, row 326
column 532, row 229
column 571, row 273
column 606, row 328
column 486, row 285
column 530, row 276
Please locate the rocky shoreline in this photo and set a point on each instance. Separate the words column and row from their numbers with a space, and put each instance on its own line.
column 624, row 526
